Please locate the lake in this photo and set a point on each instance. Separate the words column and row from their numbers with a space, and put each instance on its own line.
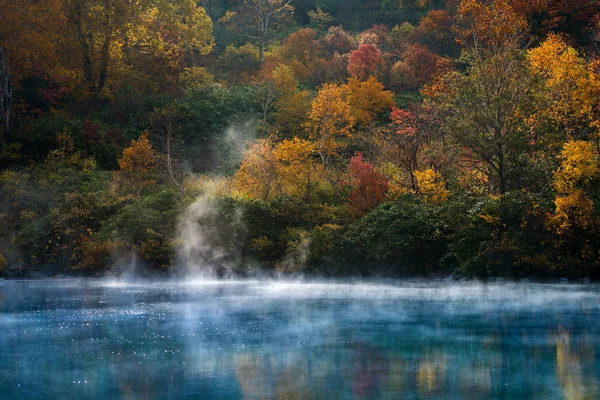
column 206, row 339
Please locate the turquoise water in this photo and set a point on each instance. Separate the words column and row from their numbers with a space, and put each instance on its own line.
column 291, row 340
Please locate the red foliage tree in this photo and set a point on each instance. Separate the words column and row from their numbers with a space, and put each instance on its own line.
column 420, row 65
column 90, row 131
column 368, row 186
column 365, row 62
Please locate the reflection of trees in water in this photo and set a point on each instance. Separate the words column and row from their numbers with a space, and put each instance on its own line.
column 576, row 381
column 431, row 373
column 369, row 367
column 271, row 376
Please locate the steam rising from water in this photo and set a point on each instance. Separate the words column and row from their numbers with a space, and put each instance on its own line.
column 210, row 246
column 212, row 241
column 240, row 339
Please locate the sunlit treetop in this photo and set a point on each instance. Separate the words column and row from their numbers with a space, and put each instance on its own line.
column 489, row 26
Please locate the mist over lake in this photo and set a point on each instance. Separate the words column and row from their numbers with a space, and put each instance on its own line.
column 260, row 339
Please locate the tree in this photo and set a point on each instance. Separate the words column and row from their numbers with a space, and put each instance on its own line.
column 118, row 30
column 575, row 217
column 433, row 31
column 367, row 99
column 165, row 131
column 301, row 50
column 483, row 109
column 571, row 18
column 571, row 87
column 299, row 172
column 483, row 114
column 30, row 32
column 417, row 67
column 319, row 19
column 330, row 120
column 365, row 62
column 368, row 186
column 339, row 41
column 257, row 176
column 136, row 167
column 292, row 105
column 240, row 64
column 489, row 27
column 402, row 143
column 256, row 20
column 432, row 186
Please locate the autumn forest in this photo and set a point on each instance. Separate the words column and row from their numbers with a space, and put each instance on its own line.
column 328, row 137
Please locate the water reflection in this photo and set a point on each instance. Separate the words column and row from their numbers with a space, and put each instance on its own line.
column 575, row 377
column 260, row 340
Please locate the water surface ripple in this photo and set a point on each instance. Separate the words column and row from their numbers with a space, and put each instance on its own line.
column 74, row 339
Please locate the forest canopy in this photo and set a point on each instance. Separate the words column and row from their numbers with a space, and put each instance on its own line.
column 394, row 137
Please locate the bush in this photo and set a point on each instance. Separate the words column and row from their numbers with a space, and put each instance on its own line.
column 400, row 238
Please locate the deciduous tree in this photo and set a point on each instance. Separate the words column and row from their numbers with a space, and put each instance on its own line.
column 257, row 19
column 257, row 175
column 432, row 186
column 367, row 99
column 365, row 62
column 330, row 120
column 368, row 186
column 136, row 167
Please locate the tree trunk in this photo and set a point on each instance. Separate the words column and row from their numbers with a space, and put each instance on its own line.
column 261, row 51
column 77, row 18
column 5, row 94
column 105, row 48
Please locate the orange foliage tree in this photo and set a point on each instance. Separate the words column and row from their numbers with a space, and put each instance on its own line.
column 136, row 167
column 489, row 26
column 301, row 50
column 434, row 31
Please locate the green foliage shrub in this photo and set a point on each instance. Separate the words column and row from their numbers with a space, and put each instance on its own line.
column 403, row 237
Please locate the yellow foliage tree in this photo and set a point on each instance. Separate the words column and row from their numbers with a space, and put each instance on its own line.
column 578, row 167
column 490, row 26
column 571, row 85
column 291, row 105
column 572, row 211
column 431, row 186
column 289, row 167
column 113, row 35
column 330, row 120
column 298, row 170
column 367, row 99
column 136, row 167
column 257, row 175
